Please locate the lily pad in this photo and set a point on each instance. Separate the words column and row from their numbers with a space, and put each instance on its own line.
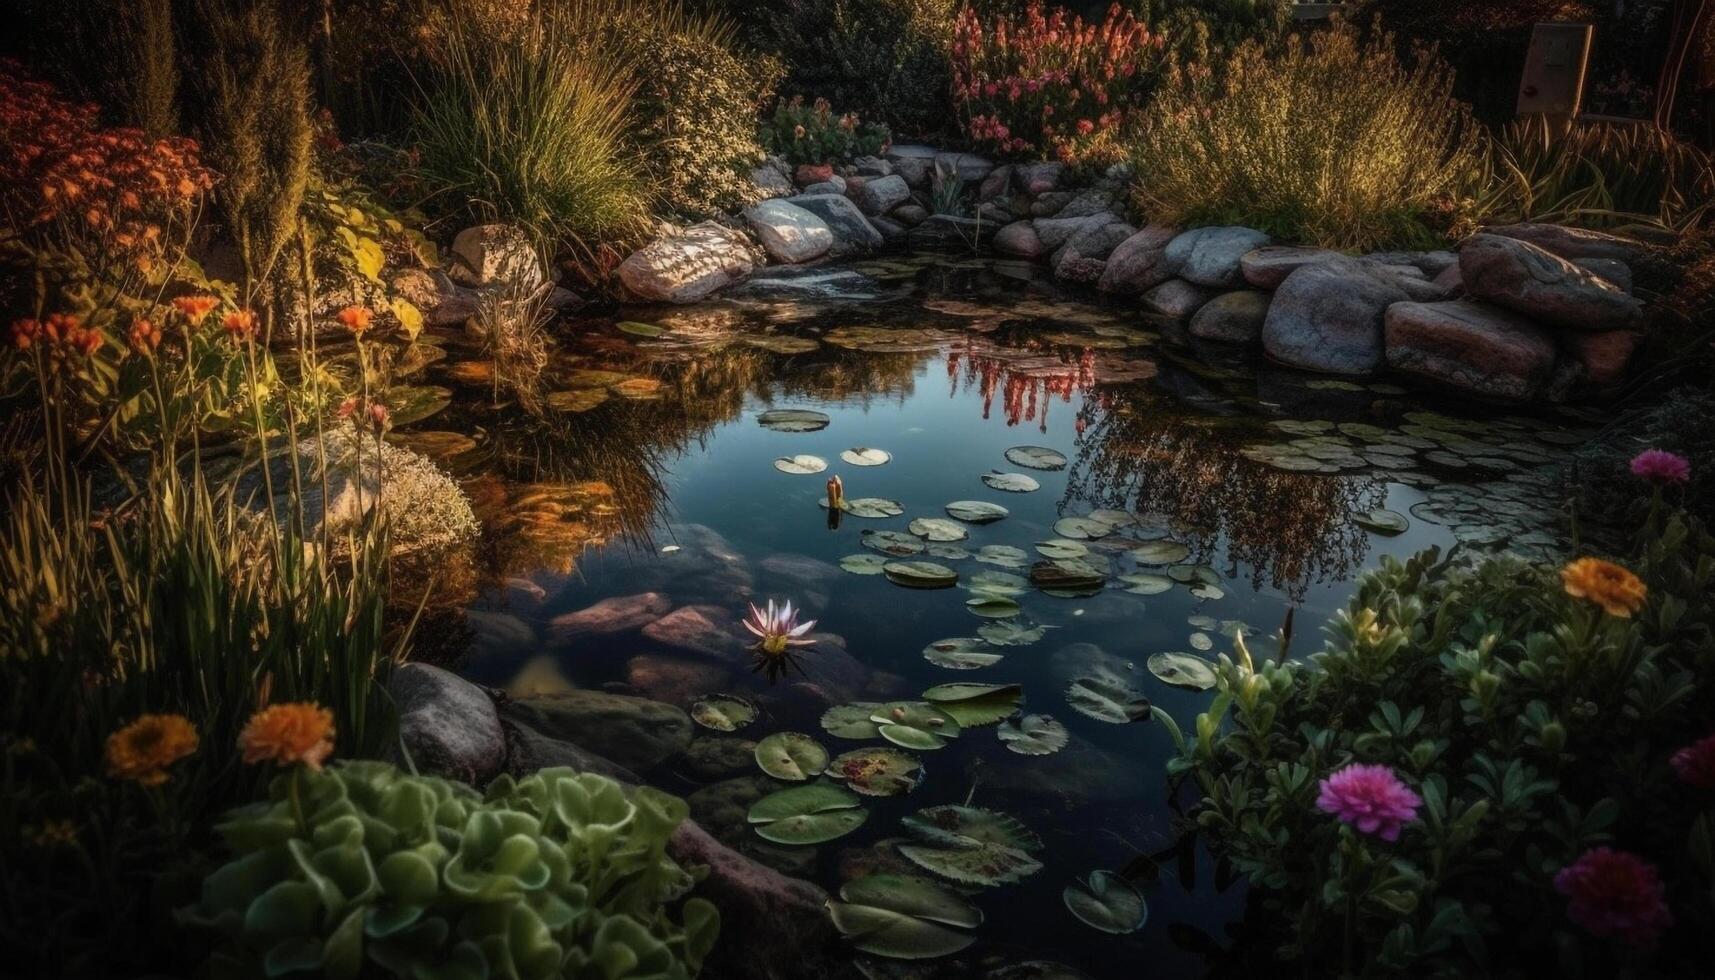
column 871, row 508
column 895, row 543
column 851, row 720
column 1144, row 583
column 945, row 552
column 811, row 814
column 971, row 845
column 409, row 404
column 991, row 606
column 801, row 465
column 1036, row 458
column 915, row 725
column 638, row 389
column 1161, row 552
column 865, row 456
column 1011, row 633
column 1107, row 902
column 961, row 653
column 1003, row 555
column 976, row 511
column 878, row 771
column 792, row 756
column 998, row 583
column 1194, row 574
column 1112, row 518
column 1182, row 670
column 1033, row 735
column 973, row 705
column 903, row 917
column 793, row 420
column 1081, row 528
column 1107, row 698
column 920, row 574
column 937, row 529
column 723, row 712
column 863, row 564
column 637, row 329
column 1011, row 482
column 1057, row 548
column 1073, row 575
column 1201, row 642
column 1381, row 521
column 578, row 400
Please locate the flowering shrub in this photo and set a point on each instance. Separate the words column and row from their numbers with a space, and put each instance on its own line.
column 1049, row 83
column 813, row 134
column 1481, row 751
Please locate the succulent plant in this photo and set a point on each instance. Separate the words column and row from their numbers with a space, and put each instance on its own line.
column 386, row 873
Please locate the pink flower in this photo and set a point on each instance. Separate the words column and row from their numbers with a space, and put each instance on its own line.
column 1613, row 893
column 1661, row 466
column 1370, row 798
column 1695, row 764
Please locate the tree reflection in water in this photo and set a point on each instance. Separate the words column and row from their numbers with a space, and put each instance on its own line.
column 1137, row 452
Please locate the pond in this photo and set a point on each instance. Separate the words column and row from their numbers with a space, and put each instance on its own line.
column 1169, row 497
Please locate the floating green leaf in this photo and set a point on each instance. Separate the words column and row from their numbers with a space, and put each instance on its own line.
column 895, row 543
column 1112, row 518
column 1105, row 697
column 811, row 814
column 1201, row 642
column 1385, row 522
column 851, row 720
column 791, row 756
column 998, row 583
column 579, row 400
column 1003, row 555
column 723, row 712
column 1144, row 583
column 991, row 606
column 878, row 771
column 1033, row 735
column 801, row 465
column 1081, row 528
column 871, row 508
column 976, row 511
column 1069, row 575
column 1036, row 458
column 971, row 845
column 915, row 724
column 410, row 404
column 637, row 329
column 1107, row 902
column 1160, row 552
column 1194, row 574
column 961, row 653
column 937, row 529
column 1011, row 482
column 920, row 574
column 863, row 564
column 1011, row 633
column 1062, row 548
column 793, row 420
column 972, row 704
column 865, row 456
column 1182, row 670
column 903, row 917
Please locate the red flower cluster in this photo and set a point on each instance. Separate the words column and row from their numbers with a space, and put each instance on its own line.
column 354, row 406
column 1695, row 764
column 61, row 334
column 1613, row 893
column 1043, row 82
column 59, row 164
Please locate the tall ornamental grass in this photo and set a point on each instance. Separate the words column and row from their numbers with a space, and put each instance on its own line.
column 530, row 125
column 1337, row 144
column 1600, row 174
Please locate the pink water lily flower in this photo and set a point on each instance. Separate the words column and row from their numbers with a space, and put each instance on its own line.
column 778, row 632
column 1370, row 798
column 1661, row 466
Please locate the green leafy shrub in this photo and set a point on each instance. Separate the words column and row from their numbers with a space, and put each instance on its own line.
column 1599, row 175
column 1202, row 30
column 532, row 125
column 1599, row 480
column 1336, row 144
column 1536, row 726
column 813, row 134
column 363, row 867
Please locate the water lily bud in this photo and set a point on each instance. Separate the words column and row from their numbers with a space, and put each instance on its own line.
column 836, row 493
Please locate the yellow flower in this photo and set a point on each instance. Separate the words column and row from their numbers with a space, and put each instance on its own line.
column 142, row 750
column 1616, row 590
column 288, row 734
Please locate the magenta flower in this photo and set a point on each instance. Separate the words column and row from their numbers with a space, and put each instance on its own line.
column 1695, row 764
column 1661, row 466
column 1613, row 893
column 1370, row 798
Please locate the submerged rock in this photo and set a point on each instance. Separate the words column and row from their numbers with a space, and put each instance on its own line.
column 1470, row 347
column 789, row 233
column 447, row 724
column 675, row 680
column 613, row 615
column 1528, row 280
column 710, row 631
column 636, row 733
column 689, row 265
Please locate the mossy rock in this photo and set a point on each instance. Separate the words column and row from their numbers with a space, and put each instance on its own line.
column 634, row 732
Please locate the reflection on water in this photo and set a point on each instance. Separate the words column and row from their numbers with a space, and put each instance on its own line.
column 630, row 523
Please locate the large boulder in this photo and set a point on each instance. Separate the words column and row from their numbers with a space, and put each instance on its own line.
column 689, row 265
column 636, row 733
column 1091, row 241
column 1525, row 279
column 914, row 162
column 496, row 254
column 1470, row 347
column 1604, row 354
column 442, row 302
column 1177, row 298
column 1091, row 200
column 1232, row 318
column 1055, row 232
column 772, row 178
column 879, row 195
column 1267, row 267
column 1572, row 244
column 789, row 234
column 1139, row 263
column 1210, row 256
column 853, row 233
column 1019, row 239
column 1327, row 317
column 447, row 724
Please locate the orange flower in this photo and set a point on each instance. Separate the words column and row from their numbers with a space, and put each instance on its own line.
column 1616, row 590
column 289, row 733
column 24, row 333
column 145, row 336
column 195, row 308
column 240, row 324
column 355, row 318
column 142, row 750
